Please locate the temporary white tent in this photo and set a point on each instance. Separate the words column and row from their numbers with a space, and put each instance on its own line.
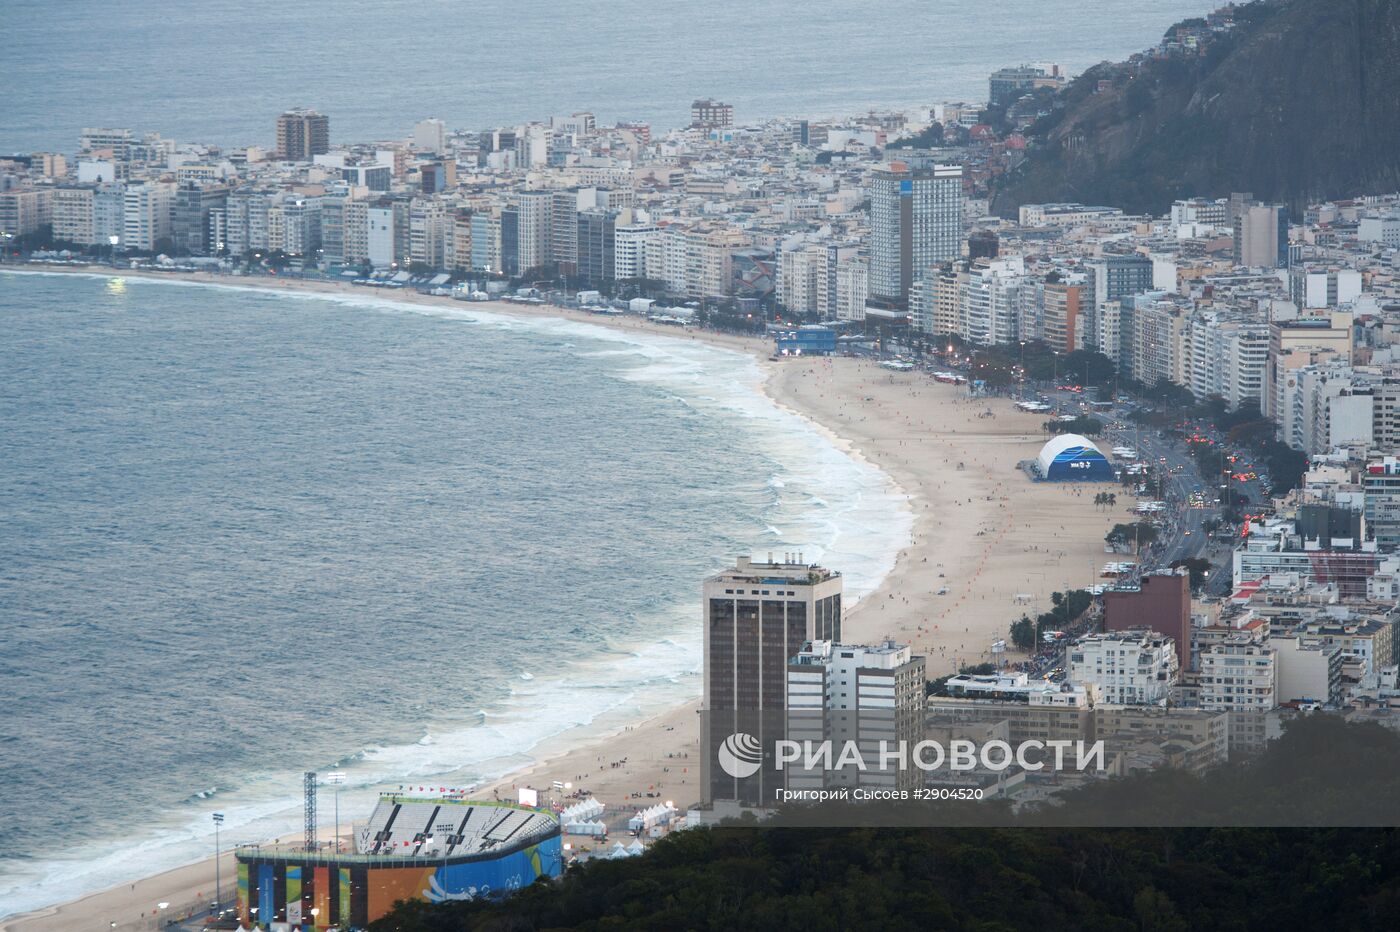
column 660, row 814
column 582, row 812
column 585, row 828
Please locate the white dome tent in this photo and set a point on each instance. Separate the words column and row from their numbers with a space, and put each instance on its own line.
column 1072, row 458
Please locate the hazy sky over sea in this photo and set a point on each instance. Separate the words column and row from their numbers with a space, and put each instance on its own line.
column 220, row 71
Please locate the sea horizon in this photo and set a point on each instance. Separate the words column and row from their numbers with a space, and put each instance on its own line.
column 331, row 65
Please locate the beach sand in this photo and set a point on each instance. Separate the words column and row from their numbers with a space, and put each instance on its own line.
column 982, row 529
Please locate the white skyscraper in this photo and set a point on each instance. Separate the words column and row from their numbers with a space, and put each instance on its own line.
column 146, row 214
column 916, row 222
column 430, row 136
column 867, row 695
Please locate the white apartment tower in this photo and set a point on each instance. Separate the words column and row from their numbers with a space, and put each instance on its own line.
column 868, row 695
column 916, row 223
column 1125, row 667
column 146, row 213
column 430, row 136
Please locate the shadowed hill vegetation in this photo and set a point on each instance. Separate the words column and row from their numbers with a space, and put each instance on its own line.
column 994, row 879
column 1297, row 103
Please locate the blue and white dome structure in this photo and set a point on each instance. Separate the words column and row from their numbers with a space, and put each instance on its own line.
column 1072, row 458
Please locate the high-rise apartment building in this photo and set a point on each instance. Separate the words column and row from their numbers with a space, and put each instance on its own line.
column 757, row 617
column 916, row 223
column 108, row 204
column 190, row 217
column 303, row 134
column 147, row 211
column 487, row 236
column 1161, row 602
column 1158, row 341
column 1239, row 676
column 872, row 696
column 564, row 222
column 300, row 225
column 1110, row 279
column 989, row 304
column 403, row 207
column 1261, row 235
column 1295, row 343
column 355, row 231
column 636, row 250
column 1008, row 84
column 103, row 139
column 428, row 226
column 436, row 177
column 852, row 288
column 380, row 235
column 1125, row 667
column 333, row 228
column 430, row 136
column 72, row 214
column 1063, row 320
column 708, row 257
column 1381, row 483
column 798, row 268
column 25, row 210
column 711, row 114
column 1227, row 357
column 534, row 214
column 460, row 255
column 596, row 245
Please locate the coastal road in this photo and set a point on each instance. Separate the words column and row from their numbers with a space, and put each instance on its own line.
column 1182, row 531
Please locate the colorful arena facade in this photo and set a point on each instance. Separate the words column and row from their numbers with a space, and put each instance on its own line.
column 1072, row 458
column 426, row 848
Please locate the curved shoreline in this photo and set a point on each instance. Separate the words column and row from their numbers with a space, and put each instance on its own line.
column 608, row 725
column 904, row 426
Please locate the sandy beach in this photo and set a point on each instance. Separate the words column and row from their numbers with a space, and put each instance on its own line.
column 999, row 543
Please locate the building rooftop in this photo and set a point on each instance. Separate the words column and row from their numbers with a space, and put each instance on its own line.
column 792, row 570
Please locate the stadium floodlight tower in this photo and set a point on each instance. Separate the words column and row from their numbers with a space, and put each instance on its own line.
column 336, row 779
column 218, row 877
column 309, row 789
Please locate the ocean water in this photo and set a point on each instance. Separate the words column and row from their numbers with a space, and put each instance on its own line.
column 244, row 535
column 221, row 70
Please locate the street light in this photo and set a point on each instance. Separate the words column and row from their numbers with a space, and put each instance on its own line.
column 218, row 821
column 336, row 778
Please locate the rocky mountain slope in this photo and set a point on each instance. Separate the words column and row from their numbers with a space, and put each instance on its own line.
column 1298, row 101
